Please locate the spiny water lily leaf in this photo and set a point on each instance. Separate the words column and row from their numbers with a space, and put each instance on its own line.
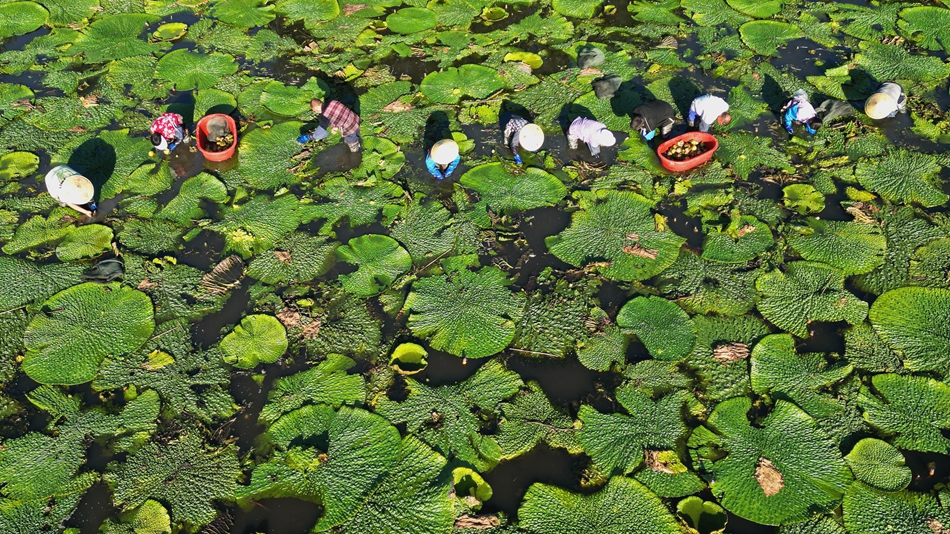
column 467, row 313
column 809, row 291
column 85, row 242
column 889, row 62
column 358, row 202
column 552, row 324
column 24, row 281
column 905, row 232
column 823, row 524
column 778, row 369
column 803, row 198
column 867, row 22
column 780, row 471
column 931, row 264
column 703, row 286
column 425, row 230
column 21, row 17
column 408, row 359
column 702, row 516
column 150, row 237
column 244, row 13
column 347, row 326
column 766, row 36
column 744, row 238
column 327, row 383
column 291, row 101
column 214, row 100
column 149, row 518
column 12, row 98
column 532, row 60
column 446, row 417
column 602, row 350
column 547, row 98
column 914, row 410
column 581, row 9
column 666, row 475
column 188, row 70
column 265, row 155
column 176, row 290
column 665, row 329
column 624, row 506
column 64, row 12
column 501, row 193
column 111, row 160
column 310, row 11
column 879, row 464
column 256, row 226
column 170, row 31
column 381, row 261
column 757, row 9
column 18, row 165
column 529, row 419
column 852, row 247
column 903, row 176
column 656, row 12
column 617, row 442
column 713, row 13
column 187, row 205
column 616, row 234
column 411, row 20
column 183, row 474
column 450, row 85
column 746, row 152
column 189, row 381
column 298, row 257
column 870, row 510
column 913, row 321
column 927, row 26
column 723, row 347
column 115, row 37
column 40, row 230
column 258, row 339
column 867, row 351
column 80, row 326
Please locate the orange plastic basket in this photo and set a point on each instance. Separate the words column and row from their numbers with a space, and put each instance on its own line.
column 691, row 163
column 202, row 135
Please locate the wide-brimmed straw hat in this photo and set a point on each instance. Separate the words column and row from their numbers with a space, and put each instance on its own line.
column 606, row 138
column 879, row 106
column 444, row 151
column 531, row 137
column 76, row 190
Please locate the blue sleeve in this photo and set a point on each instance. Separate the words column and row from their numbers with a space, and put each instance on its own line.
column 692, row 115
column 789, row 116
column 433, row 168
column 649, row 136
column 809, row 129
column 451, row 168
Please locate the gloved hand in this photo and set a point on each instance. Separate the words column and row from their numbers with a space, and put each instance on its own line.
column 448, row 174
column 171, row 146
column 790, row 129
column 649, row 136
column 303, row 139
column 518, row 159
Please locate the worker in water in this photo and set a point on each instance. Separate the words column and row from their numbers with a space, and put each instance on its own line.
column 708, row 109
column 167, row 132
column 521, row 133
column 71, row 189
column 443, row 158
column 886, row 102
column 652, row 117
column 334, row 117
column 594, row 133
column 799, row 110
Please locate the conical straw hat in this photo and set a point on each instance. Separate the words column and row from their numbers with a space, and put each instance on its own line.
column 531, row 137
column 607, row 138
column 879, row 106
column 445, row 151
column 76, row 190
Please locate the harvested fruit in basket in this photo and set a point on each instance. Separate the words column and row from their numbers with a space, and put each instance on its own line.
column 222, row 143
column 684, row 150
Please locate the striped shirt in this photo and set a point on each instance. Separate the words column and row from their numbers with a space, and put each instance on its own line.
column 341, row 117
column 512, row 128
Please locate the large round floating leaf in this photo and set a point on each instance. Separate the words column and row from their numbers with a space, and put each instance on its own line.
column 503, row 193
column 743, row 239
column 310, row 11
column 115, row 37
column 915, row 410
column 254, row 227
column 765, row 36
column 411, row 20
column 298, row 257
column 745, row 152
column 915, row 321
column 467, row 313
column 582, row 9
column 65, row 12
column 879, row 464
column 17, row 18
column 381, row 260
column 289, row 100
column 906, row 512
column 852, row 247
column 244, row 13
column 623, row 506
column 214, row 101
column 24, row 281
column 258, row 339
column 189, row 70
column 930, row 264
column 451, row 84
column 264, row 155
column 783, row 470
column 18, row 165
column 665, row 329
column 85, row 242
column 892, row 62
column 927, row 26
column 616, row 233
column 760, row 9
column 903, row 176
column 807, row 292
column 80, row 326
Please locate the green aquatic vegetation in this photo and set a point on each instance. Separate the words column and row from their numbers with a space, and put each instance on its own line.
column 720, row 358
column 866, row 509
column 888, row 62
column 78, row 327
column 297, row 257
column 911, row 409
column 905, row 232
column 665, row 329
column 903, row 176
column 853, row 247
column 867, row 22
column 115, row 37
column 148, row 518
column 86, row 241
column 743, row 239
column 766, row 36
column 552, row 325
column 927, row 26
column 746, row 153
column 150, row 237
column 187, row 70
column 783, row 470
column 930, row 264
column 467, row 313
column 666, row 475
column 618, row 442
column 346, row 326
column 913, row 322
column 808, row 291
column 450, row 418
column 803, row 198
column 714, row 12
column 255, row 227
column 623, row 506
column 865, row 349
column 258, row 339
column 176, row 290
column 499, row 193
column 25, row 281
column 530, row 418
column 327, row 383
column 291, row 101
column 450, row 85
column 601, row 350
column 21, row 17
column 187, row 205
column 411, row 20
column 244, row 13
column 879, row 464
column 425, row 229
column 701, row 516
column 358, row 203
column 704, row 286
column 380, row 259
column 18, row 165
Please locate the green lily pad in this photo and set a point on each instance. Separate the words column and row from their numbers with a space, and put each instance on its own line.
column 381, row 261
column 910, row 409
column 411, row 20
column 408, row 358
column 903, row 176
column 532, row 60
column 115, row 37
column 189, row 70
column 264, row 155
column 766, row 36
column 82, row 325
column 702, row 516
column 803, row 198
column 502, row 193
column 494, row 14
column 257, row 226
column 581, row 9
column 17, row 18
column 529, row 419
column 290, row 101
column 866, row 509
column 757, row 8
column 85, row 242
column 852, row 247
column 744, row 238
column 913, row 322
column 298, row 257
column 665, row 329
column 25, row 281
column 18, row 165
column 926, row 26
column 244, row 13
column 258, row 339
column 311, row 12
column 879, row 464
column 170, row 31
column 451, row 84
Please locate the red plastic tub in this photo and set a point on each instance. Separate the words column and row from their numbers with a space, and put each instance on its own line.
column 202, row 134
column 687, row 164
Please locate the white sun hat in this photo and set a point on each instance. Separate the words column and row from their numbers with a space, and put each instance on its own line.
column 880, row 105
column 606, row 138
column 531, row 137
column 444, row 151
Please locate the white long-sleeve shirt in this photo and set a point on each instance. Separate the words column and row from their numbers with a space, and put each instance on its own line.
column 707, row 108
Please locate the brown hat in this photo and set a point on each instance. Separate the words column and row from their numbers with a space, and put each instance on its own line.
column 879, row 106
